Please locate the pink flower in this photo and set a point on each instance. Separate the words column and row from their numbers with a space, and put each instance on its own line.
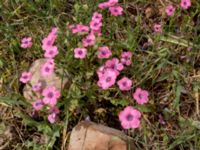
column 124, row 84
column 126, row 58
column 170, row 9
column 107, row 79
column 95, row 25
column 116, row 10
column 89, row 40
column 104, row 5
column 50, row 62
column 80, row 53
column 37, row 87
column 141, row 96
column 54, row 31
column 79, row 28
column 51, row 95
column 185, row 4
column 52, row 118
column 54, row 110
column 25, row 77
column 157, row 28
column 101, row 71
column 114, row 65
column 47, row 69
column 51, row 52
column 98, row 32
column 26, row 42
column 104, row 52
column 97, row 16
column 38, row 104
column 112, row 2
column 48, row 42
column 130, row 118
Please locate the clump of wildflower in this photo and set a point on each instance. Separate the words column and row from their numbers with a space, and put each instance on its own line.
column 124, row 84
column 79, row 28
column 38, row 104
column 53, row 112
column 80, row 53
column 51, row 52
column 37, row 87
column 48, row 41
column 107, row 78
column 51, row 95
column 185, row 4
column 89, row 40
column 113, row 6
column 104, row 52
column 47, row 69
column 157, row 28
column 25, row 77
column 114, row 65
column 126, row 58
column 141, row 96
column 130, row 118
column 26, row 42
column 170, row 9
column 116, row 10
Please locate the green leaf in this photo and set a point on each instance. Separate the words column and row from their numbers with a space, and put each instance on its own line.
column 145, row 108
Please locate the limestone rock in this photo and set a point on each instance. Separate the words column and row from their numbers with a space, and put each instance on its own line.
column 90, row 136
column 54, row 80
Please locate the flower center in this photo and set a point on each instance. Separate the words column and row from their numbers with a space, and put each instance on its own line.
column 80, row 52
column 124, row 83
column 26, row 42
column 129, row 117
column 115, row 10
column 140, row 96
column 49, row 42
column 51, row 52
column 47, row 69
column 88, row 40
column 112, row 66
column 103, row 52
column 50, row 95
column 38, row 103
column 108, row 79
column 25, row 77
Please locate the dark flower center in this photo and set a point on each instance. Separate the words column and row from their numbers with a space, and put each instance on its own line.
column 88, row 40
column 51, row 52
column 108, row 79
column 103, row 52
column 115, row 10
column 26, row 42
column 95, row 24
column 129, row 117
column 49, row 42
column 80, row 52
column 140, row 96
column 50, row 95
column 124, row 83
column 38, row 103
column 112, row 66
column 25, row 77
column 47, row 69
column 126, row 58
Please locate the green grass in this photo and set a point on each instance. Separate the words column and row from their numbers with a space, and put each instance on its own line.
column 166, row 69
